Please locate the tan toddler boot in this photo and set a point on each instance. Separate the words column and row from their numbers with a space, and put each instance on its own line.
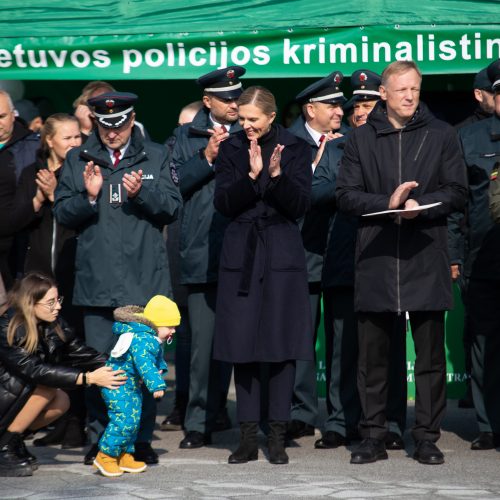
column 127, row 463
column 108, row 466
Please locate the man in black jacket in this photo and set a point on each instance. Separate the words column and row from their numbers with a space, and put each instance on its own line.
column 402, row 159
column 18, row 146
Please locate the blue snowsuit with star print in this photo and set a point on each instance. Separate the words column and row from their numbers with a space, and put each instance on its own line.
column 143, row 360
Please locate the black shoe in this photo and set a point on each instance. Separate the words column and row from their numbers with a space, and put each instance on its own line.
column 369, row 450
column 394, row 441
column 222, row 421
column 297, row 429
column 144, row 453
column 18, row 448
column 484, row 441
column 173, row 422
column 195, row 439
column 10, row 464
column 248, row 449
column 74, row 435
column 55, row 436
column 330, row 439
column 426, row 452
column 276, row 443
column 89, row 458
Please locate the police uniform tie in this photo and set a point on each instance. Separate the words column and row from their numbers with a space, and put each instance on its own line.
column 116, row 155
column 223, row 127
column 321, row 139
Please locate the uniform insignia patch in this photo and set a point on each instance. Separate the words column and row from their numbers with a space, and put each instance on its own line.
column 173, row 174
column 494, row 174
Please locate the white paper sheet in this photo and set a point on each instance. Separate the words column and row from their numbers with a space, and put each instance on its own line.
column 398, row 210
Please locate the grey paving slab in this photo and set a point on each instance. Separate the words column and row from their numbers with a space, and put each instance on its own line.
column 205, row 474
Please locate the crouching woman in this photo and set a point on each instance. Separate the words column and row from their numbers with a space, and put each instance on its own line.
column 39, row 356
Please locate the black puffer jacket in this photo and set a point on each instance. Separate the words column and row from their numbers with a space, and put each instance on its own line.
column 56, row 363
column 402, row 265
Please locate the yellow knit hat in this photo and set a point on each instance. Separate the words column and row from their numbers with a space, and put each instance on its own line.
column 162, row 311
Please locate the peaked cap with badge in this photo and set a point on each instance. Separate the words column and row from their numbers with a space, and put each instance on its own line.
column 223, row 83
column 494, row 75
column 327, row 90
column 365, row 87
column 113, row 109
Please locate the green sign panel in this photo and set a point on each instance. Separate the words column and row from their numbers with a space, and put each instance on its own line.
column 268, row 54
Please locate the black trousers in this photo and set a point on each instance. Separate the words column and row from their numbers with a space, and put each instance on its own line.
column 483, row 301
column 247, row 379
column 374, row 330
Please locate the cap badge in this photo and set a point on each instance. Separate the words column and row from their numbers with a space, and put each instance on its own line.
column 337, row 78
column 230, row 73
column 110, row 103
column 363, row 77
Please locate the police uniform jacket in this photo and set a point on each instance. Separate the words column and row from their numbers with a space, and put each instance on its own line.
column 202, row 228
column 121, row 255
column 481, row 150
column 314, row 225
column 263, row 311
column 57, row 362
column 338, row 266
column 402, row 265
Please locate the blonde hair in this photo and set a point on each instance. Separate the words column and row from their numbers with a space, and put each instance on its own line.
column 89, row 89
column 398, row 67
column 22, row 298
column 259, row 97
column 49, row 129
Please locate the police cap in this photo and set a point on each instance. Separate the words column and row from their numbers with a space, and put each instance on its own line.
column 113, row 109
column 481, row 80
column 494, row 75
column 365, row 85
column 326, row 90
column 223, row 83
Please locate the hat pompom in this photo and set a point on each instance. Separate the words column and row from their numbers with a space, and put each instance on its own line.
column 162, row 311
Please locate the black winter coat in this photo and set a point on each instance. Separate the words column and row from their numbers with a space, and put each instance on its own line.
column 56, row 363
column 402, row 265
column 263, row 311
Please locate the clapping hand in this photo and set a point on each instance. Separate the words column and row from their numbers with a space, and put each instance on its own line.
column 256, row 164
column 132, row 183
column 275, row 161
column 47, row 183
column 92, row 179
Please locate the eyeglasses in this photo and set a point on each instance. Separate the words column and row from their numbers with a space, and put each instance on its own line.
column 51, row 304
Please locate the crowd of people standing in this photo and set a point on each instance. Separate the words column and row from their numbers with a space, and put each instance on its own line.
column 372, row 204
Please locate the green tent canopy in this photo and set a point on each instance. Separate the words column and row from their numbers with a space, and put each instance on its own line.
column 173, row 39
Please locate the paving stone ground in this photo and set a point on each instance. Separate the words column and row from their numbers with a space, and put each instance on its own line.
column 205, row 474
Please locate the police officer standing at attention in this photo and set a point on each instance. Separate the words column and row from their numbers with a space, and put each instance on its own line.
column 341, row 337
column 321, row 121
column 481, row 149
column 202, row 229
column 118, row 193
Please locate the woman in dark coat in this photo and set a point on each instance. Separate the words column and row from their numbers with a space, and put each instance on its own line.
column 38, row 355
column 263, row 182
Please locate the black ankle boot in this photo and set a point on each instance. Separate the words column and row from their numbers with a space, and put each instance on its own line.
column 248, row 449
column 17, row 446
column 55, row 436
column 276, row 442
column 74, row 434
column 10, row 464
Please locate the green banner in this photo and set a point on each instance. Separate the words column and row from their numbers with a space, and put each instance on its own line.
column 266, row 54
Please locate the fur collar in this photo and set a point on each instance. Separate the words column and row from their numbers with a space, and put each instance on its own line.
column 127, row 314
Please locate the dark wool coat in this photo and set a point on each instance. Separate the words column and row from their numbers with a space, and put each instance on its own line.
column 402, row 265
column 56, row 363
column 263, row 312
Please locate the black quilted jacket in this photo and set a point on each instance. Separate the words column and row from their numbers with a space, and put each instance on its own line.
column 56, row 363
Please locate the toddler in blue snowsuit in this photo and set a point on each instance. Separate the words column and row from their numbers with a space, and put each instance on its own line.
column 138, row 352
